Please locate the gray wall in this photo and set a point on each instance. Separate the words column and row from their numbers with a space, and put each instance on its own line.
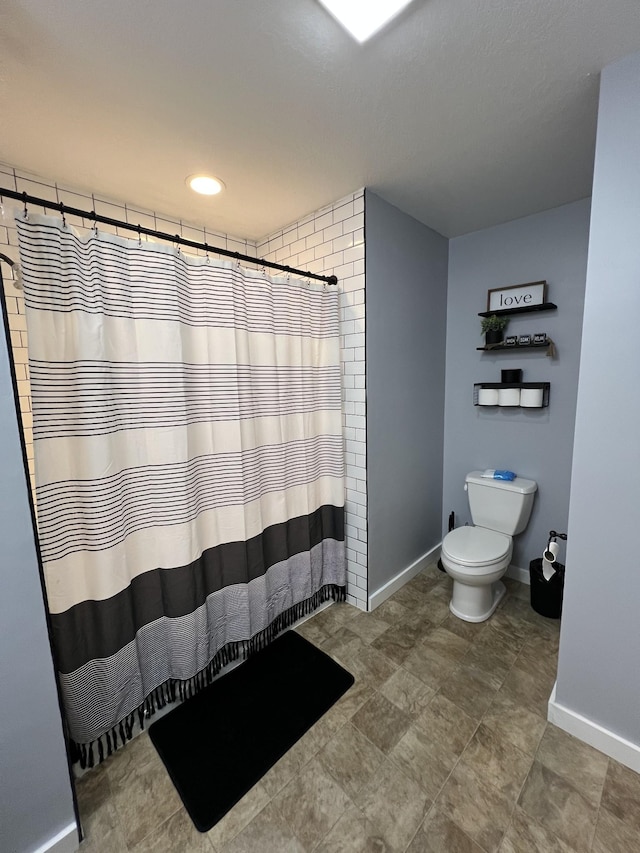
column 599, row 666
column 35, row 791
column 535, row 443
column 406, row 273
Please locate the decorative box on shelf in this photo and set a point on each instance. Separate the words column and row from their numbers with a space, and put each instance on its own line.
column 526, row 395
column 508, row 346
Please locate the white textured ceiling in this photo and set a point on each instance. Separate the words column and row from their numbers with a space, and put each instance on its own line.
column 463, row 113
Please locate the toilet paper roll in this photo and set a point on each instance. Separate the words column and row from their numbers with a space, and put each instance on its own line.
column 508, row 396
column 487, row 396
column 531, row 397
column 547, row 569
column 551, row 552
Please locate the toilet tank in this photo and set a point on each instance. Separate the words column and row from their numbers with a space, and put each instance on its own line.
column 500, row 505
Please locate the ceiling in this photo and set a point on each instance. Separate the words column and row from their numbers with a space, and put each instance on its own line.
column 462, row 113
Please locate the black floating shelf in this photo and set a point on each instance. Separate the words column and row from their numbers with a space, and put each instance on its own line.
column 545, row 306
column 544, row 386
column 512, row 347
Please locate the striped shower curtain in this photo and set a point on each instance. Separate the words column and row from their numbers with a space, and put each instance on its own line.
column 189, row 465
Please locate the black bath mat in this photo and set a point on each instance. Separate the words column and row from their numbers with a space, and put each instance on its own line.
column 218, row 744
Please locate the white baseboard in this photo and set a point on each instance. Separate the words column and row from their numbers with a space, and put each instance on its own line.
column 616, row 747
column 66, row 841
column 403, row 577
column 518, row 574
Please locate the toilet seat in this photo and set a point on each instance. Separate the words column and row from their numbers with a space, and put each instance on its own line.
column 475, row 547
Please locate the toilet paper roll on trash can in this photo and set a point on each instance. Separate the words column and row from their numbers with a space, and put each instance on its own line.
column 549, row 554
column 546, row 595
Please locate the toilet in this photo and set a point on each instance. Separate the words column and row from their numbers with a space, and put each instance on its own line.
column 477, row 557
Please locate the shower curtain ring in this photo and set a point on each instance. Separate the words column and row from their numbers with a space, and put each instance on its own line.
column 93, row 216
column 64, row 220
column 139, row 237
column 25, row 212
column 206, row 247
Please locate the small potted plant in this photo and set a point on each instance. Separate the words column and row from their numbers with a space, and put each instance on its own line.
column 492, row 329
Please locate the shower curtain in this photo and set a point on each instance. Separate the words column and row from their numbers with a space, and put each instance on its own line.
column 189, row 465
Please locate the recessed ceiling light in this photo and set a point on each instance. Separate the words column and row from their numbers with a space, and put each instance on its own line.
column 363, row 18
column 205, row 184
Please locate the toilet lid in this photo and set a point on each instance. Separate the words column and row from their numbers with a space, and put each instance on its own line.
column 475, row 546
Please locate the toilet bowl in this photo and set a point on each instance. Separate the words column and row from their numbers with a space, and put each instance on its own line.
column 476, row 559
column 477, row 556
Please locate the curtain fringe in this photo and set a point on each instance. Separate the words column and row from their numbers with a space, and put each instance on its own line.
column 94, row 752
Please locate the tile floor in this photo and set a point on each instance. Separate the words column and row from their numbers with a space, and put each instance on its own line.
column 441, row 746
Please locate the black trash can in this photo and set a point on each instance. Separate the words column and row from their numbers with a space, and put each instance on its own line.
column 546, row 595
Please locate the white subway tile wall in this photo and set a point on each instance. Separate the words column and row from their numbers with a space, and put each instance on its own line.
column 331, row 241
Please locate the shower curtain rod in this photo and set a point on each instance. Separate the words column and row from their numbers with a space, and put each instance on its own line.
column 173, row 238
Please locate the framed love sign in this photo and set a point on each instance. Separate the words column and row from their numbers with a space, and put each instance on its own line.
column 517, row 296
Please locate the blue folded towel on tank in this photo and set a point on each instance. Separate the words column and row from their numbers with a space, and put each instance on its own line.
column 494, row 474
